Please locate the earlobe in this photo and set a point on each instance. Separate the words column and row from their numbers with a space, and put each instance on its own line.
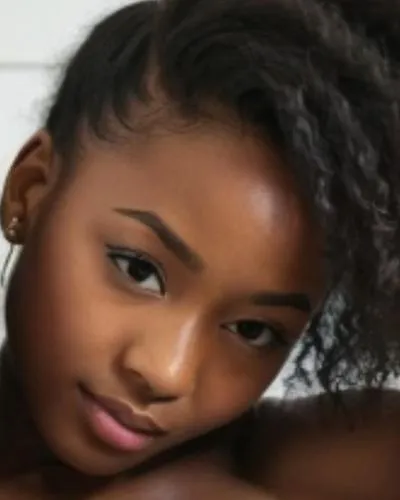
column 12, row 232
column 32, row 177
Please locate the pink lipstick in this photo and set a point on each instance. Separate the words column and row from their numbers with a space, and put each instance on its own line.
column 117, row 424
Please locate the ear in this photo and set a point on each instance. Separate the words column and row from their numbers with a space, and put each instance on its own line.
column 32, row 177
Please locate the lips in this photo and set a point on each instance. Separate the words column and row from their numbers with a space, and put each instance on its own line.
column 118, row 424
column 129, row 418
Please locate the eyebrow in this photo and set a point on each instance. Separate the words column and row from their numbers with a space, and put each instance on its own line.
column 169, row 238
column 195, row 263
column 298, row 301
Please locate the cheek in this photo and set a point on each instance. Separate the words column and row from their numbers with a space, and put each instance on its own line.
column 58, row 304
column 229, row 389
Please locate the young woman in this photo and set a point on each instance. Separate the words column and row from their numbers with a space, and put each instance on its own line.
column 212, row 180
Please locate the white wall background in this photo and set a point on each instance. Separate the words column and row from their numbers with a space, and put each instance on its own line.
column 35, row 37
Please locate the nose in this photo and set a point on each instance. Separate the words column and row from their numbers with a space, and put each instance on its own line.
column 162, row 364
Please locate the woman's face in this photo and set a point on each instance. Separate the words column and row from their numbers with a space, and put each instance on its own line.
column 159, row 293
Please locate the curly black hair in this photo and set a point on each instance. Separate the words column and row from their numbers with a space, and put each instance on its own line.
column 319, row 78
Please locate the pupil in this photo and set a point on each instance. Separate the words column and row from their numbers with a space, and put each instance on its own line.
column 140, row 270
column 251, row 329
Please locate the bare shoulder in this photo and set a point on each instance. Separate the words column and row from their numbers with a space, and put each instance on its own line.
column 198, row 477
column 194, row 479
column 312, row 445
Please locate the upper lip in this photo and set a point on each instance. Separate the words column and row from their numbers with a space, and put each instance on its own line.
column 125, row 414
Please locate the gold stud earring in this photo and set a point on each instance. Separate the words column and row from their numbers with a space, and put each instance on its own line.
column 12, row 229
column 11, row 234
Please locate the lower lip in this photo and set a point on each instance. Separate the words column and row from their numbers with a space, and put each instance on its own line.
column 110, row 431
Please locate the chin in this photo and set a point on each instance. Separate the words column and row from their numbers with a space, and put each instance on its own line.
column 92, row 464
column 98, row 469
column 84, row 457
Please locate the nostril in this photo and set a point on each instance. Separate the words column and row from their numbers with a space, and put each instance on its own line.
column 164, row 399
column 146, row 392
column 150, row 394
column 160, row 371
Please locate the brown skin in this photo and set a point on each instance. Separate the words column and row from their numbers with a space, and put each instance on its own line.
column 310, row 449
column 301, row 450
column 196, row 477
column 181, row 357
column 299, row 454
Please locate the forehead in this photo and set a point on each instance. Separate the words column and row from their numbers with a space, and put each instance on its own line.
column 221, row 162
column 221, row 190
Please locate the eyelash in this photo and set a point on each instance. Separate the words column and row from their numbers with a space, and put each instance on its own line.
column 115, row 253
column 278, row 333
column 122, row 253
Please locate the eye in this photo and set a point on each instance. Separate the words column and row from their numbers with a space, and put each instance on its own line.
column 139, row 268
column 257, row 333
